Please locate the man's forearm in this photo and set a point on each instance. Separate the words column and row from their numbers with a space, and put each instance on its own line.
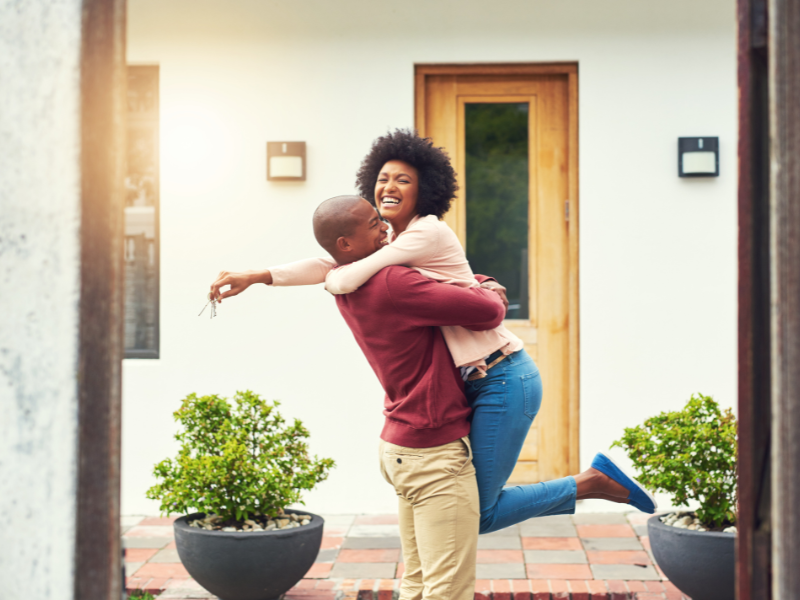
column 434, row 303
column 493, row 318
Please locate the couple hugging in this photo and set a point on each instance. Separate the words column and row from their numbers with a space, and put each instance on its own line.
column 461, row 392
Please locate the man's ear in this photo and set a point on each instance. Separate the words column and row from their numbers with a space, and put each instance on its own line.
column 343, row 245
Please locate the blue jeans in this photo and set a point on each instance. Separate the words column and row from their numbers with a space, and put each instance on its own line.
column 504, row 404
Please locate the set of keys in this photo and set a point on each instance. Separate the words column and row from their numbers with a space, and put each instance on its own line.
column 213, row 302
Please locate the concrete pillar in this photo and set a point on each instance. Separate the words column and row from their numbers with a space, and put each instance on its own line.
column 61, row 94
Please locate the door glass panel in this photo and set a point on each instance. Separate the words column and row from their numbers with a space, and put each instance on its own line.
column 497, row 197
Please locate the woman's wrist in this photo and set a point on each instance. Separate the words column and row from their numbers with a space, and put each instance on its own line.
column 264, row 277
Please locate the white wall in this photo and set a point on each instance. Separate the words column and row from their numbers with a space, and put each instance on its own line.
column 40, row 44
column 658, row 254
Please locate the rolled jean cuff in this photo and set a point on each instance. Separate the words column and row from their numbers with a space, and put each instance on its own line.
column 567, row 506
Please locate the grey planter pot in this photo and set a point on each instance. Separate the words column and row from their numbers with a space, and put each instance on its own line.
column 701, row 564
column 260, row 565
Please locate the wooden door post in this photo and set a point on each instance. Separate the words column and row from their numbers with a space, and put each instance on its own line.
column 754, row 524
column 784, row 115
column 103, row 111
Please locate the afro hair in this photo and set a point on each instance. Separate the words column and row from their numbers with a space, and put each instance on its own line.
column 437, row 178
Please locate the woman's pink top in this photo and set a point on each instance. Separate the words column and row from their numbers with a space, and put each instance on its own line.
column 429, row 246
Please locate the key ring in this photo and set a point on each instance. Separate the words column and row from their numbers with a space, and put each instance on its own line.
column 213, row 302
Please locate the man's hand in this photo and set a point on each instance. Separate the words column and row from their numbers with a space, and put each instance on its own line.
column 239, row 282
column 499, row 289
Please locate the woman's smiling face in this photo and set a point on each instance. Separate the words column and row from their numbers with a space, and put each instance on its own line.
column 396, row 193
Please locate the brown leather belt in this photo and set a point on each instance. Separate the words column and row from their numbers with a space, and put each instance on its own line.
column 491, row 361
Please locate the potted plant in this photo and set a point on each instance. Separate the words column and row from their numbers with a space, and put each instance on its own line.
column 237, row 469
column 691, row 454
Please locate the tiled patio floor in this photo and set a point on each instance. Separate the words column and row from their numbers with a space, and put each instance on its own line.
column 591, row 556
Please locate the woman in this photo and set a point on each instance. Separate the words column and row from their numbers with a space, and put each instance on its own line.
column 412, row 184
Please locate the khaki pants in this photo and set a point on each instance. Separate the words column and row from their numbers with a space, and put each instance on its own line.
column 439, row 518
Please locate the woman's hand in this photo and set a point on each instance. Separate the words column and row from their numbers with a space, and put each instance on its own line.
column 498, row 289
column 239, row 282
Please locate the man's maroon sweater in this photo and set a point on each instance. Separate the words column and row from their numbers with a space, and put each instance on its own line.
column 394, row 318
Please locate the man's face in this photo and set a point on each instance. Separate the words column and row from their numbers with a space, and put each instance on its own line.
column 370, row 233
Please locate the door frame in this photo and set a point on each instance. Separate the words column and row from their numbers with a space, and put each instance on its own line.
column 572, row 210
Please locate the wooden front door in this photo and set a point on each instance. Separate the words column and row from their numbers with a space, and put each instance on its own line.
column 511, row 132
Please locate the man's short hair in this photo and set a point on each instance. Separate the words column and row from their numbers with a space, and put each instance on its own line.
column 334, row 219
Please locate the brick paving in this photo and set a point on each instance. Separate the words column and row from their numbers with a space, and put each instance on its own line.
column 590, row 556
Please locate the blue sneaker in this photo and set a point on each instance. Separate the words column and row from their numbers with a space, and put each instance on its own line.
column 639, row 497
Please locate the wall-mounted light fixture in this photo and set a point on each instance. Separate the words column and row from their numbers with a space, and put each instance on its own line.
column 286, row 161
column 698, row 157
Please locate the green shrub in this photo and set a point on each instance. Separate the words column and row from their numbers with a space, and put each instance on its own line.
column 691, row 454
column 236, row 461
